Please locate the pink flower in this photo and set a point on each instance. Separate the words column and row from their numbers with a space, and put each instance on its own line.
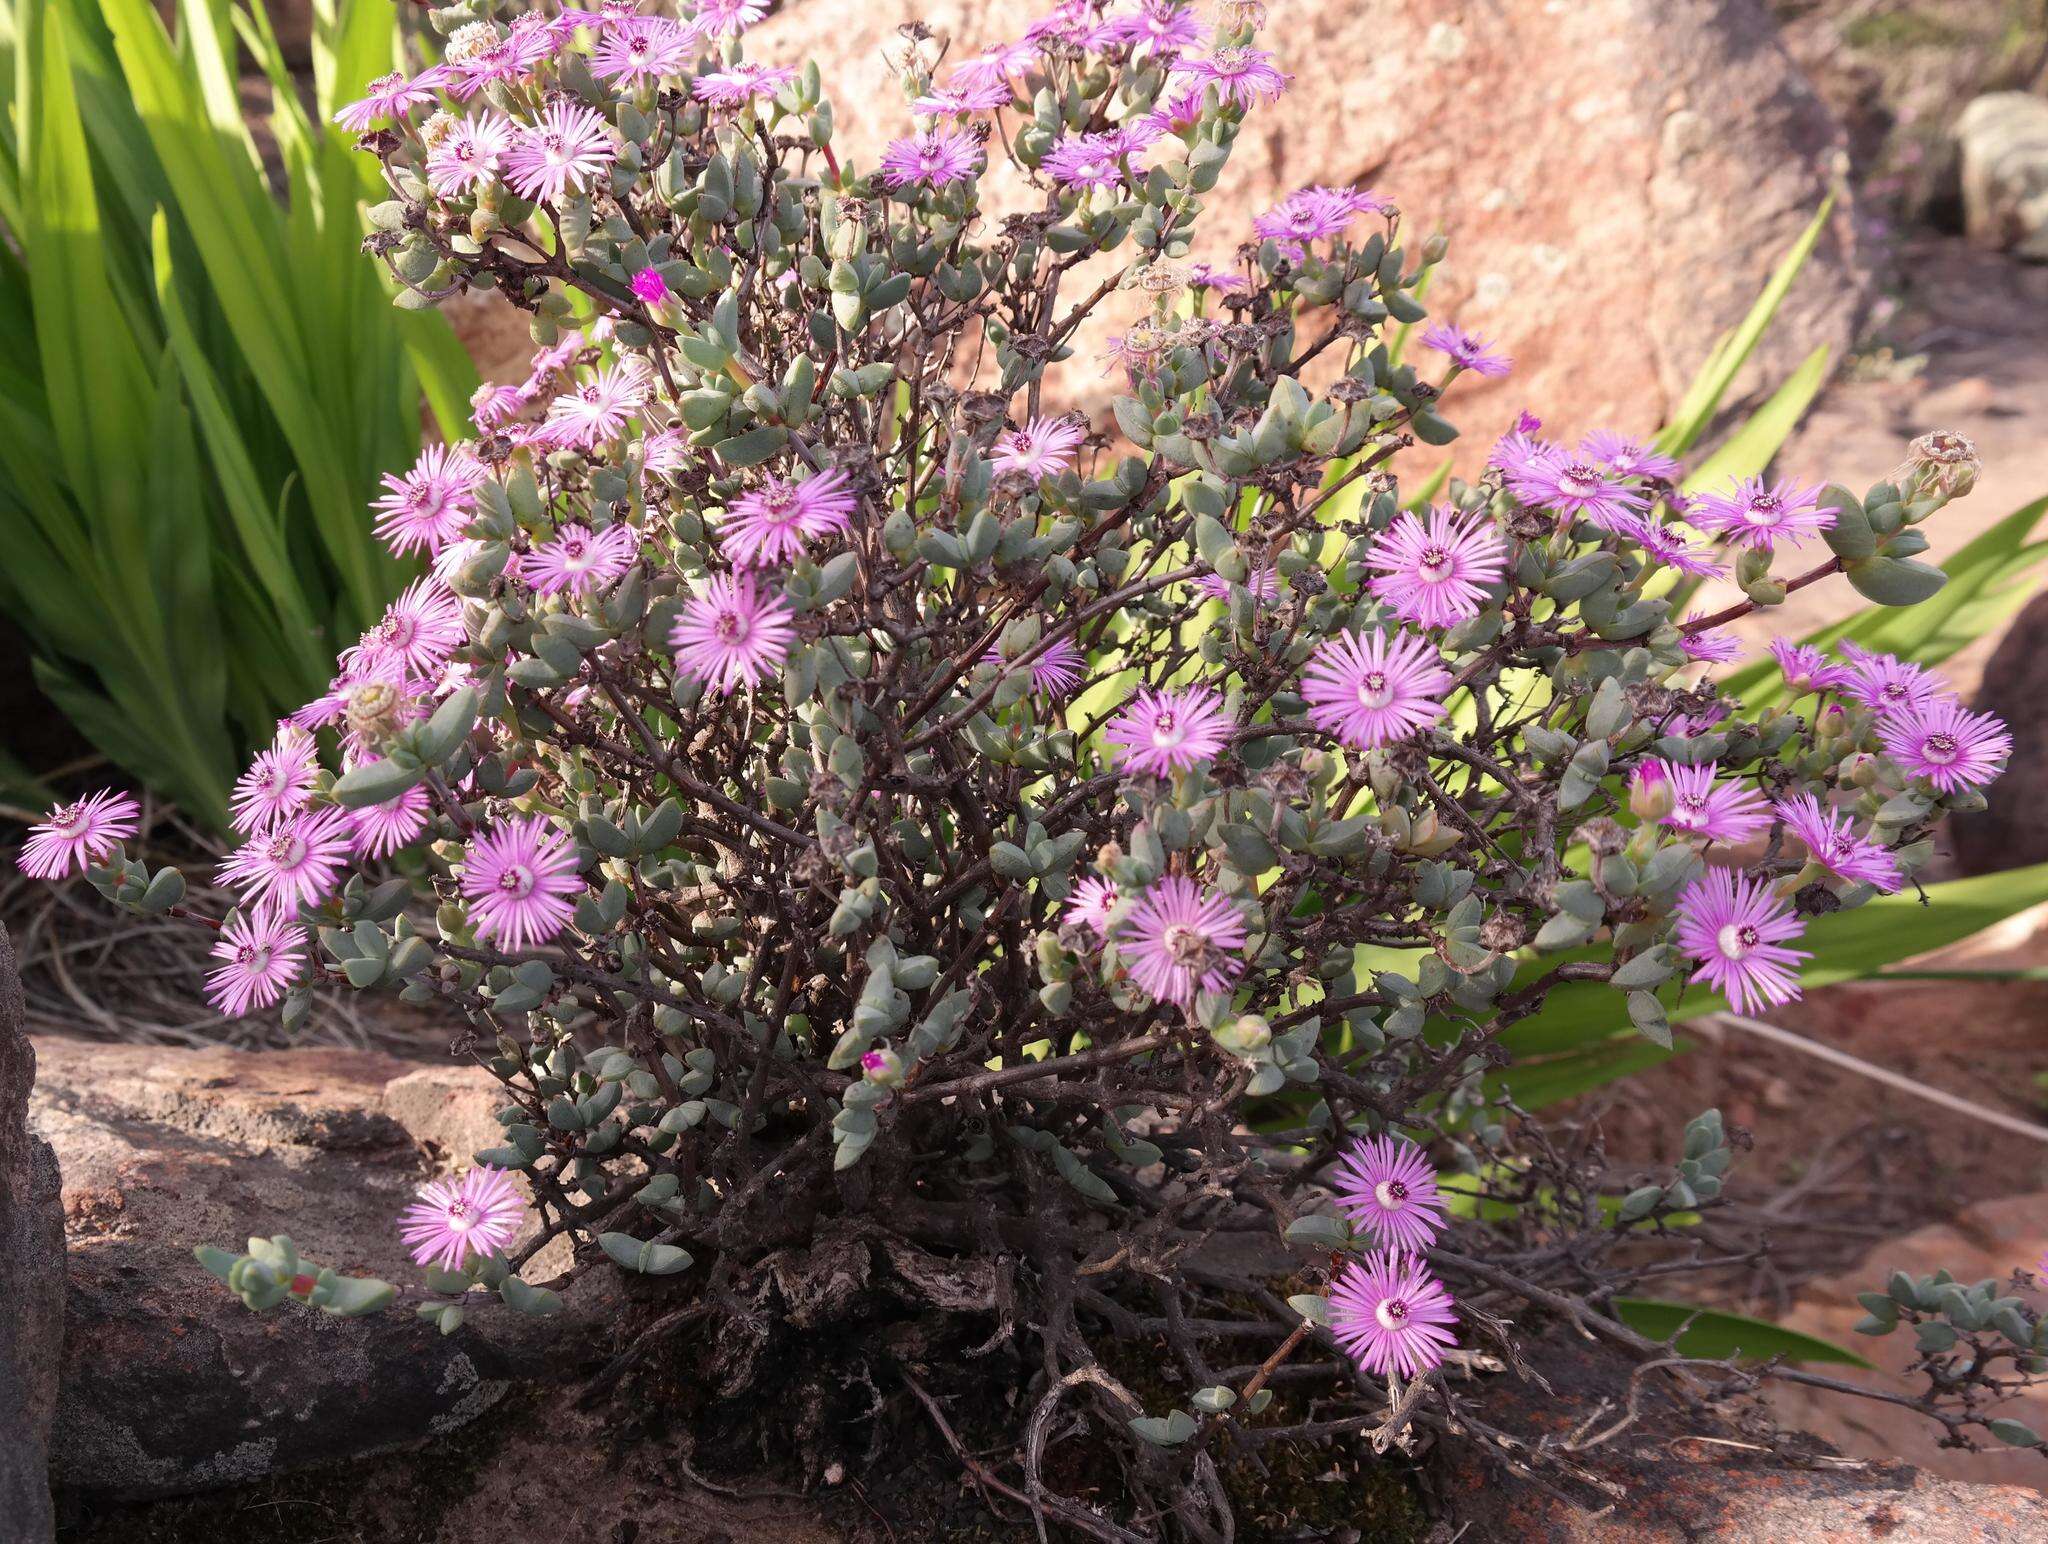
column 650, row 287
column 1712, row 646
column 470, row 152
column 1163, row 732
column 1385, row 1185
column 732, row 634
column 391, row 97
column 517, row 878
column 1662, row 544
column 1392, row 1315
column 1091, row 903
column 1467, row 350
column 1625, row 457
column 1095, row 160
column 1437, row 574
column 932, row 159
column 1737, row 930
column 1887, row 685
column 511, row 58
column 1181, row 939
column 1160, row 28
column 1372, row 689
column 1056, row 671
column 1945, row 743
column 963, row 98
column 263, row 956
column 1262, row 584
column 451, row 1221
column 597, row 410
column 1806, row 669
column 1752, row 514
column 1571, row 488
column 570, row 147
column 1830, row 840
column 1043, row 448
column 1244, row 76
column 996, row 66
column 1703, row 806
column 576, row 560
column 293, row 864
column 1315, row 214
column 379, row 830
column 420, row 630
column 428, row 507
column 277, row 784
column 73, row 836
column 771, row 523
column 640, row 48
column 728, row 18
column 742, row 82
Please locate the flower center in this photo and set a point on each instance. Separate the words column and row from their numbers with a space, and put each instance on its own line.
column 1391, row 1194
column 1737, row 939
column 286, row 850
column 1580, row 480
column 70, row 820
column 460, row 1218
column 730, row 627
column 1435, row 565
column 516, row 881
column 1186, row 945
column 1374, row 689
column 1392, row 1313
column 1166, row 729
column 1940, row 748
column 1766, row 509
column 778, row 502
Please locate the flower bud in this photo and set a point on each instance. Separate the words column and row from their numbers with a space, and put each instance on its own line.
column 1649, row 792
column 882, row 1067
column 1243, row 1035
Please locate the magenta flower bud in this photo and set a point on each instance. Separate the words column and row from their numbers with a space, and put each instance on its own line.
column 651, row 287
column 1649, row 792
column 883, row 1066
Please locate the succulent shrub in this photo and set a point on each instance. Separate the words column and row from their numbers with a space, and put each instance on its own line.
column 897, row 841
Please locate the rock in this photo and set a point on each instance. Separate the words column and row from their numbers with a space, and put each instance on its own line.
column 31, row 1281
column 2004, row 142
column 2014, row 830
column 1609, row 215
column 169, row 1384
column 1991, row 1238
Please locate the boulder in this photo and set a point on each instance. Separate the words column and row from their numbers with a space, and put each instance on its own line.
column 1991, row 1238
column 2014, row 830
column 31, row 1281
column 171, row 1385
column 2003, row 137
column 1609, row 214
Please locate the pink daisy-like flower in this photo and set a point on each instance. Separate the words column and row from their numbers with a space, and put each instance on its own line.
column 1372, row 689
column 420, row 630
column 933, row 159
column 517, row 879
column 1737, row 930
column 1385, row 1185
column 1946, row 743
column 1886, row 684
column 664, row 451
column 293, row 864
column 1755, row 514
column 742, row 82
column 263, row 957
column 577, row 559
column 477, row 61
column 1213, row 277
column 379, row 830
column 1043, row 448
column 1806, row 669
column 1467, row 350
column 1091, row 903
column 480, row 1215
column 771, row 523
column 597, row 409
column 999, row 65
column 650, row 287
column 1315, row 214
column 1263, row 584
column 963, row 98
column 1071, row 21
column 1181, row 939
column 1160, row 29
column 470, row 152
column 1830, row 840
column 1392, row 1315
column 732, row 634
column 73, row 836
column 1163, row 732
column 1089, row 161
column 391, row 97
column 1625, row 457
column 640, row 48
column 1572, row 488
column 1436, row 574
column 1710, row 646
column 728, row 18
column 1703, row 806
column 570, row 147
column 1055, row 672
column 1244, row 76
column 429, row 506
column 1685, row 725
column 277, row 784
column 1661, row 544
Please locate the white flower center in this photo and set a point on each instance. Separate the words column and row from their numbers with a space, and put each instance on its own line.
column 1737, row 939
column 730, row 627
column 1167, row 730
column 516, row 881
column 1392, row 1314
column 1435, row 565
column 1940, row 748
column 1391, row 1194
column 286, row 851
column 1765, row 509
column 1374, row 689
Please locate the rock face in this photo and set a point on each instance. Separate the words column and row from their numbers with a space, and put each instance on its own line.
column 2014, row 830
column 1609, row 215
column 1991, row 1238
column 2004, row 142
column 31, row 1282
column 169, row 1384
